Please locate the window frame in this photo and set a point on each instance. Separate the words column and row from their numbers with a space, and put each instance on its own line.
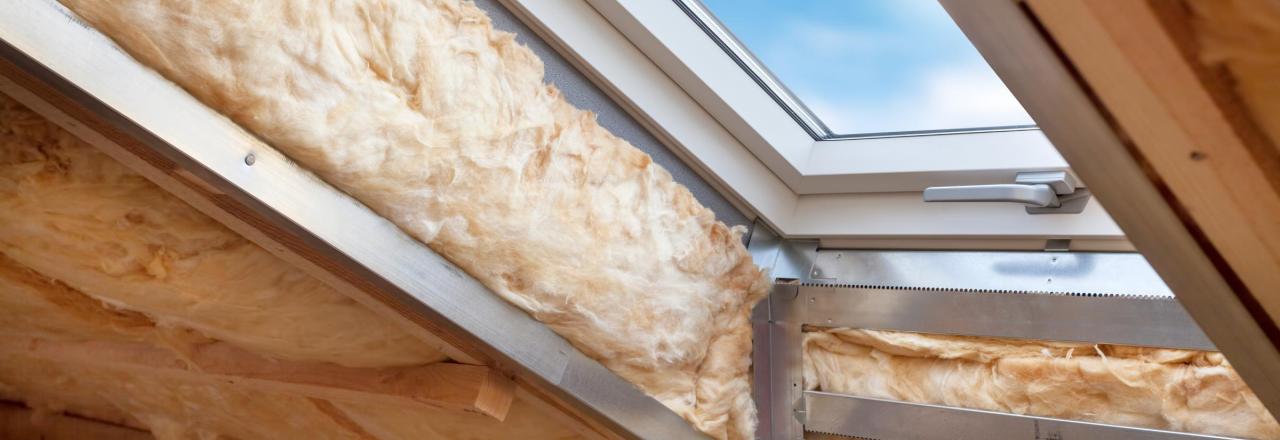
column 668, row 73
column 803, row 115
column 753, row 114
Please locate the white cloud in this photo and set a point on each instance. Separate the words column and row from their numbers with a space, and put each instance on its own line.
column 946, row 98
column 827, row 41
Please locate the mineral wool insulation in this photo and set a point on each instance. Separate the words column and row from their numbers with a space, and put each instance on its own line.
column 422, row 111
column 426, row 114
column 1179, row 390
column 91, row 252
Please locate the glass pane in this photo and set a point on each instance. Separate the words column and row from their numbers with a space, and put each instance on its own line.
column 873, row 66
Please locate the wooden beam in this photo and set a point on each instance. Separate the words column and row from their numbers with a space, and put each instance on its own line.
column 1108, row 116
column 463, row 387
column 1191, row 142
column 18, row 422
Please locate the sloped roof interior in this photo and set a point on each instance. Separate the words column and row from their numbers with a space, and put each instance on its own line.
column 163, row 276
column 96, row 262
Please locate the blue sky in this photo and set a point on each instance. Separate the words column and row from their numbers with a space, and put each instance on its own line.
column 873, row 65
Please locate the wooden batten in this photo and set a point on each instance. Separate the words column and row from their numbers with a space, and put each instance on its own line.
column 472, row 388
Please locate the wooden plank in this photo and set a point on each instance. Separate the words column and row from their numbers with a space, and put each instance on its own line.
column 1105, row 156
column 18, row 422
column 469, row 388
column 1142, row 77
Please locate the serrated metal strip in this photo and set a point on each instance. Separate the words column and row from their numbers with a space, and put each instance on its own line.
column 1068, row 273
column 819, row 435
column 1153, row 297
column 1125, row 320
column 860, row 417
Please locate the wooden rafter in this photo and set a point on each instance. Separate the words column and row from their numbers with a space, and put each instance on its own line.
column 1193, row 142
column 1177, row 163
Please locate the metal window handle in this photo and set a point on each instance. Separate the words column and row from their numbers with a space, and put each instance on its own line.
column 1033, row 195
column 1049, row 192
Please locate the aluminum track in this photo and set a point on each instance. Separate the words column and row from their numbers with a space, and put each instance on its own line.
column 1113, row 298
column 1142, row 321
column 860, row 417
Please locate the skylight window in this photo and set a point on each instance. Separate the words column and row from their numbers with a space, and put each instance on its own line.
column 863, row 68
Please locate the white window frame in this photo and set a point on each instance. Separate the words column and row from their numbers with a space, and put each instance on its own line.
column 669, row 74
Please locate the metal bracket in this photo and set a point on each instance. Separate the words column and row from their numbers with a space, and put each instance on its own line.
column 800, row 410
column 1044, row 192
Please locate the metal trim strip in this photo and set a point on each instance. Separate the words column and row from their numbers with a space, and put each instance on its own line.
column 1148, row 322
column 1077, row 273
column 886, row 419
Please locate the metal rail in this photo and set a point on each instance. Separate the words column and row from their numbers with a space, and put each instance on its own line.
column 1078, row 273
column 1085, row 297
column 60, row 67
column 889, row 420
column 1142, row 321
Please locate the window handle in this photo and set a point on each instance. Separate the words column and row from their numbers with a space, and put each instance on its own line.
column 1049, row 192
column 1040, row 196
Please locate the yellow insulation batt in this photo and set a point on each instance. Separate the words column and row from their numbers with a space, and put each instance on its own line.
column 34, row 305
column 74, row 215
column 114, row 258
column 1177, row 390
column 175, row 409
column 425, row 113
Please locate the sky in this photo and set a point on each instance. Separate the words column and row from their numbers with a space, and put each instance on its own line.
column 866, row 66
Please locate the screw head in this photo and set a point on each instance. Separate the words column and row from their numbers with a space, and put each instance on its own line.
column 250, row 159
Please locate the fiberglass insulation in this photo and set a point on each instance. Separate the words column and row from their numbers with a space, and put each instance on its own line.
column 1178, row 390
column 176, row 409
column 426, row 114
column 91, row 251
column 74, row 215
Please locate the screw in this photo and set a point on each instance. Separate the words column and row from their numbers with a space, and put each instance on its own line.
column 1197, row 155
column 250, row 159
